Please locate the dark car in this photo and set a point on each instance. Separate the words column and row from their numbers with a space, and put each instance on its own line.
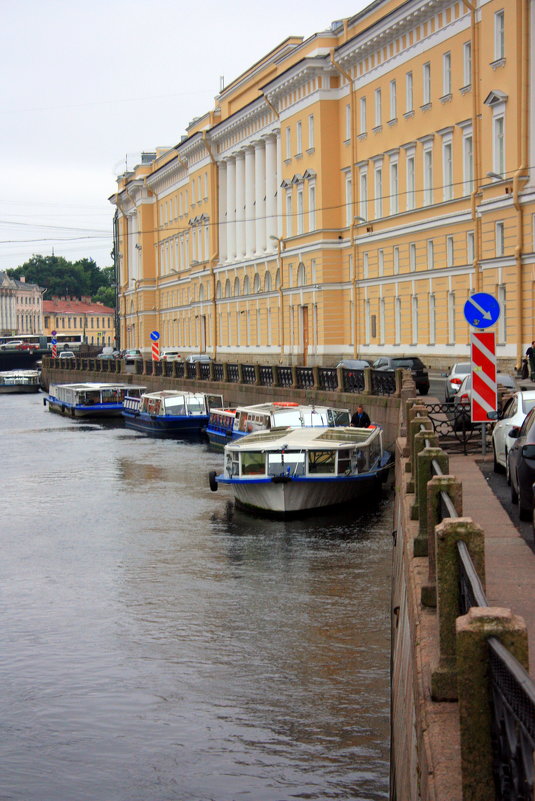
column 521, row 466
column 413, row 363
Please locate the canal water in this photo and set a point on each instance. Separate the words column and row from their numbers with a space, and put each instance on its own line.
column 158, row 645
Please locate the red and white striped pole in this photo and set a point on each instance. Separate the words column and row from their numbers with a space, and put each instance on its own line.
column 155, row 352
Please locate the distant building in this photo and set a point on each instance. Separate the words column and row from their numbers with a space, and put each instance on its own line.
column 21, row 306
column 79, row 319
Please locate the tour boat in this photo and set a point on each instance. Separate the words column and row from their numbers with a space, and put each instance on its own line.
column 169, row 413
column 20, row 381
column 226, row 425
column 90, row 399
column 287, row 471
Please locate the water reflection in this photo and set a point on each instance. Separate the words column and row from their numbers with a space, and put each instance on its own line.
column 159, row 644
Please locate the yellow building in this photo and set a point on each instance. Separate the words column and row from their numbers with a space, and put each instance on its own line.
column 79, row 321
column 346, row 195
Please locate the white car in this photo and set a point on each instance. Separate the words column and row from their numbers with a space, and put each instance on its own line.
column 455, row 378
column 462, row 399
column 66, row 354
column 170, row 355
column 514, row 412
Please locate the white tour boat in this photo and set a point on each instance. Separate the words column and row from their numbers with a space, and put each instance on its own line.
column 89, row 399
column 226, row 425
column 169, row 412
column 20, row 381
column 287, row 471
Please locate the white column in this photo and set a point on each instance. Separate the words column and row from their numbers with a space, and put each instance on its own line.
column 240, row 204
column 231, row 209
column 222, row 200
column 271, row 190
column 260, row 196
column 249, row 201
column 279, row 180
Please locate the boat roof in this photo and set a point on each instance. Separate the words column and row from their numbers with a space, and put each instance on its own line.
column 94, row 386
column 174, row 393
column 15, row 373
column 283, row 406
column 291, row 438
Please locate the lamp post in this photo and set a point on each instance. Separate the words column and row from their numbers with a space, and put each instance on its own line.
column 280, row 248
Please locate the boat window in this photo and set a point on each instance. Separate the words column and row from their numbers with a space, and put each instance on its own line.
column 253, row 463
column 338, row 417
column 232, row 466
column 175, row 405
column 89, row 398
column 321, row 461
column 344, row 462
column 290, row 463
column 195, row 405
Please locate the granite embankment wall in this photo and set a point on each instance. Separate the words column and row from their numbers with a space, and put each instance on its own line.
column 382, row 409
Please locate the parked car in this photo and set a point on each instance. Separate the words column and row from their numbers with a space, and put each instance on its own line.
column 513, row 414
column 521, row 466
column 464, row 393
column 170, row 355
column 455, row 378
column 354, row 364
column 132, row 355
column 413, row 363
column 28, row 346
column 66, row 354
column 14, row 344
column 198, row 357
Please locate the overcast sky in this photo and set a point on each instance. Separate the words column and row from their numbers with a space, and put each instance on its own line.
column 87, row 86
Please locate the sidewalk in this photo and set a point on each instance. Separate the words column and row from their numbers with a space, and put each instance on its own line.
column 509, row 562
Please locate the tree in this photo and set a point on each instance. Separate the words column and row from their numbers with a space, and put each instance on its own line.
column 60, row 277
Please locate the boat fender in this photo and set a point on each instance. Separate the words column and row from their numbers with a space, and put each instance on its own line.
column 284, row 403
column 44, row 401
column 212, row 480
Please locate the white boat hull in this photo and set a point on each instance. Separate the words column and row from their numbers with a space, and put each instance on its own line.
column 301, row 495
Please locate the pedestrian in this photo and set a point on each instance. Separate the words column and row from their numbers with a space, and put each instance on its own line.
column 360, row 419
column 530, row 353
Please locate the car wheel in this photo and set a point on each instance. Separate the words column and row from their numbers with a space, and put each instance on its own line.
column 497, row 466
column 524, row 512
column 514, row 493
column 423, row 391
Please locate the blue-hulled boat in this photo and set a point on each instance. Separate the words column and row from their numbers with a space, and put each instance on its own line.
column 89, row 399
column 169, row 413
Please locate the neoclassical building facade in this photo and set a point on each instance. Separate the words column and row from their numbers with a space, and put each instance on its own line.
column 346, row 195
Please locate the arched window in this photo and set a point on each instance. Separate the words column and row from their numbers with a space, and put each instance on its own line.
column 201, row 293
column 228, row 293
column 278, row 279
column 267, row 282
column 256, row 285
column 218, row 289
column 246, row 289
column 301, row 274
column 236, row 287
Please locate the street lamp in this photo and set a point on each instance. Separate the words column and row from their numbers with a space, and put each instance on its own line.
column 280, row 248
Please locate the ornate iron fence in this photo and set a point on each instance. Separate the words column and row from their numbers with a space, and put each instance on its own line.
column 383, row 382
column 248, row 374
column 452, row 424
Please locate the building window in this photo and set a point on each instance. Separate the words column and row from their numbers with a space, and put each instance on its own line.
column 415, row 319
column 450, row 252
column 365, row 265
column 349, row 199
column 363, row 200
column 451, row 318
column 428, row 176
column 394, row 188
column 500, row 241
column 378, row 109
column 348, row 123
column 446, row 74
column 362, row 120
column 426, row 86
column 381, row 262
column 409, row 93
column 432, row 320
column 447, row 170
column 499, row 35
column 378, row 191
column 470, row 247
column 288, row 143
column 395, row 257
column 468, row 163
column 312, row 208
column 382, row 321
column 300, row 211
column 299, row 138
column 467, row 64
column 410, row 183
column 393, row 101
column 289, row 214
column 430, row 254
column 499, row 144
column 311, row 132
column 397, row 320
column 502, row 319
column 412, row 256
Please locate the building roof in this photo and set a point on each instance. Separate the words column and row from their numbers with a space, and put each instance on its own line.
column 69, row 305
column 18, row 284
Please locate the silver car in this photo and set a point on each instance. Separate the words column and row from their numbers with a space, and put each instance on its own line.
column 455, row 378
column 512, row 416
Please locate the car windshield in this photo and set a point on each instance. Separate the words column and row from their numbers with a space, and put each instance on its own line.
column 414, row 364
column 527, row 404
column 462, row 368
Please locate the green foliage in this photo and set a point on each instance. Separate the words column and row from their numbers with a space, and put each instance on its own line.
column 82, row 278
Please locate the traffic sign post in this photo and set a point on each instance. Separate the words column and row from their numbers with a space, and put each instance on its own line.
column 155, row 336
column 484, row 395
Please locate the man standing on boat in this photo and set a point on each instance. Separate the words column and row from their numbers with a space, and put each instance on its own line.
column 360, row 419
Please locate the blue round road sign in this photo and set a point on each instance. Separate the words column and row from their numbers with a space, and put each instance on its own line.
column 481, row 310
column 155, row 336
column 54, row 341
